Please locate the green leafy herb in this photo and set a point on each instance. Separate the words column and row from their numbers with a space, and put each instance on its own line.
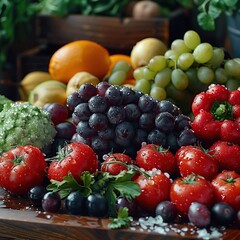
column 122, row 220
column 101, row 182
column 210, row 10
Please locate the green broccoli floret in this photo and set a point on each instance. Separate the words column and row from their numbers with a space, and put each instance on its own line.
column 22, row 123
column 4, row 100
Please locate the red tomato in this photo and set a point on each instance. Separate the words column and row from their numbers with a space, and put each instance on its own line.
column 154, row 190
column 191, row 188
column 195, row 160
column 227, row 155
column 153, row 156
column 116, row 168
column 22, row 168
column 74, row 158
column 226, row 186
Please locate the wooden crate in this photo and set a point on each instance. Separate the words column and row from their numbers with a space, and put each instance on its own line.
column 111, row 32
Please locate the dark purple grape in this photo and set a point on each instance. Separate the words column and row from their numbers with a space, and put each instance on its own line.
column 102, row 88
column 187, row 137
column 75, row 203
column 130, row 205
column 164, row 121
column 140, row 137
column 98, row 121
column 58, row 112
column 97, row 104
column 84, row 130
column 73, row 100
column 146, row 103
column 146, row 121
column 181, row 122
column 128, row 95
column 114, row 95
column 75, row 119
column 107, row 134
column 156, row 137
column 171, row 142
column 82, row 112
column 77, row 138
column 167, row 106
column 96, row 205
column 125, row 131
column 86, row 91
column 36, row 194
column 238, row 217
column 132, row 112
column 97, row 143
column 116, row 114
column 51, row 202
column 199, row 214
column 223, row 214
column 65, row 130
column 167, row 210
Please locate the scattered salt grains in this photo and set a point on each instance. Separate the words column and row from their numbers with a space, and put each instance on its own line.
column 156, row 224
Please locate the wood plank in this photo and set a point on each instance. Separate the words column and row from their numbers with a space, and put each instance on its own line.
column 20, row 220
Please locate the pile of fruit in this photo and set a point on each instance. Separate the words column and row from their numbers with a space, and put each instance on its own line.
column 116, row 150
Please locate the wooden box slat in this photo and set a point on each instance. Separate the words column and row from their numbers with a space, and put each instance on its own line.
column 111, row 32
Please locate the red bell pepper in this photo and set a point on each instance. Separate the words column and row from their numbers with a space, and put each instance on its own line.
column 217, row 114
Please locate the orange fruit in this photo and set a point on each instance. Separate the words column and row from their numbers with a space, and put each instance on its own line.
column 77, row 56
column 120, row 57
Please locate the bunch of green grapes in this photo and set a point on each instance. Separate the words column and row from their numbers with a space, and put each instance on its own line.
column 187, row 68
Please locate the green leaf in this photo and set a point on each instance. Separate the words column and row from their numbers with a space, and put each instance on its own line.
column 68, row 185
column 214, row 11
column 122, row 220
column 128, row 189
column 205, row 21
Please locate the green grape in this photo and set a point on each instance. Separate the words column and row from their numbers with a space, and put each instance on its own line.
column 148, row 74
column 169, row 53
column 143, row 85
column 203, row 52
column 117, row 77
column 191, row 39
column 185, row 61
column 179, row 46
column 174, row 93
column 205, row 75
column 121, row 65
column 194, row 85
column 163, row 78
column 138, row 73
column 232, row 84
column 221, row 75
column 232, row 68
column 179, row 79
column 217, row 58
column 157, row 63
column 158, row 93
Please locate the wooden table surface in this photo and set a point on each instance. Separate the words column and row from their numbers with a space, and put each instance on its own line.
column 20, row 220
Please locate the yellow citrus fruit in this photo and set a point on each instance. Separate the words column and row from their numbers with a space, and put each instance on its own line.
column 77, row 56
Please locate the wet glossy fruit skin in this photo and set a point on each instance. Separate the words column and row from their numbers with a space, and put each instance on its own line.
column 75, row 203
column 96, row 205
column 51, row 202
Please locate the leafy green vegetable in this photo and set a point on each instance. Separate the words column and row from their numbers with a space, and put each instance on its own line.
column 210, row 10
column 122, row 220
column 13, row 18
column 101, row 182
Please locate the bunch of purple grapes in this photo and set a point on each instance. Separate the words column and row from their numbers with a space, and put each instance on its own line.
column 112, row 118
